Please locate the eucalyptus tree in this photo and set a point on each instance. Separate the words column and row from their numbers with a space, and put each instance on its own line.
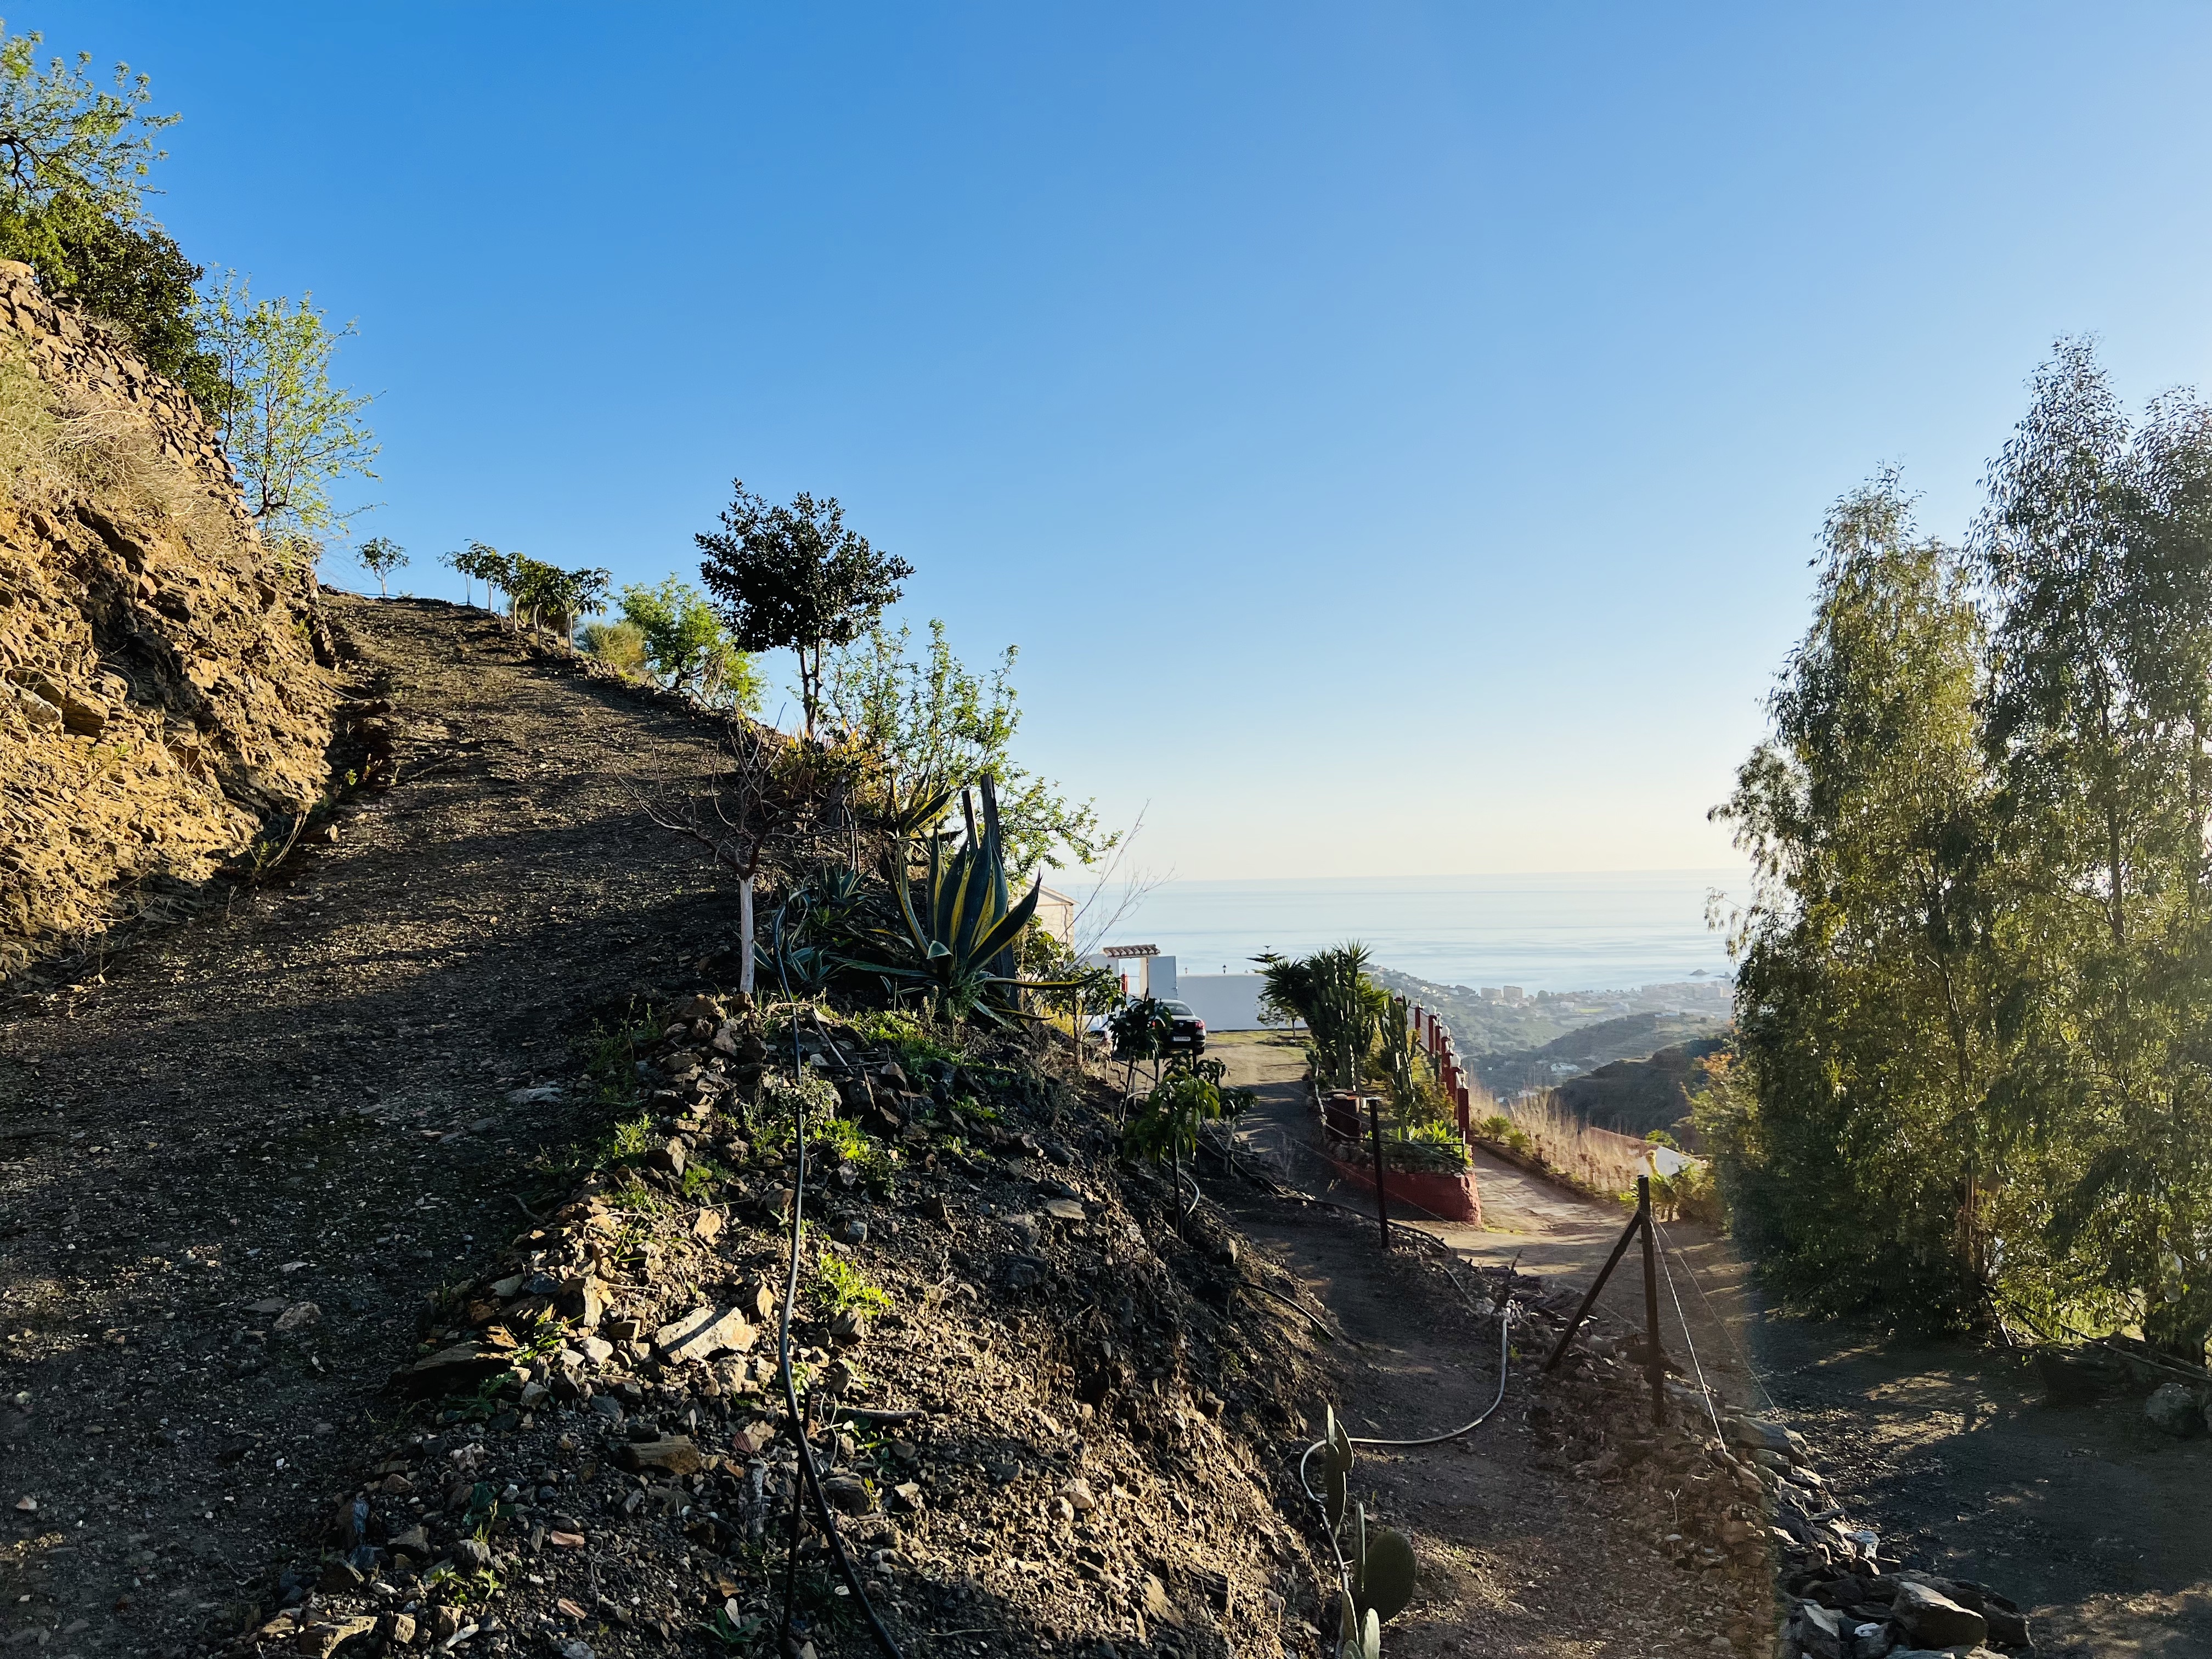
column 1855, row 1137
column 2096, row 548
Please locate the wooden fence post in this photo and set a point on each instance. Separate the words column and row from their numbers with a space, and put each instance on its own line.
column 1382, row 1199
column 1655, row 1358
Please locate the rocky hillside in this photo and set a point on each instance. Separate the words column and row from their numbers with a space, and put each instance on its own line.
column 164, row 686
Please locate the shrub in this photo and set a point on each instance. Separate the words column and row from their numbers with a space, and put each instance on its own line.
column 1689, row 1194
column 617, row 644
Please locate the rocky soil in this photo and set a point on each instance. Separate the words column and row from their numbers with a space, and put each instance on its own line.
column 326, row 1087
column 1044, row 1422
column 165, row 678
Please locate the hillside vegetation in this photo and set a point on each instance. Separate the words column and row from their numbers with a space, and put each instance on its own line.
column 1629, row 1038
column 1637, row 1096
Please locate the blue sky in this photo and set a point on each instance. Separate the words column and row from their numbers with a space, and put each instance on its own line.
column 1394, row 435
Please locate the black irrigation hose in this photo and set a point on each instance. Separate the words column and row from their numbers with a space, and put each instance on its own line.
column 1503, row 1308
column 812, row 1476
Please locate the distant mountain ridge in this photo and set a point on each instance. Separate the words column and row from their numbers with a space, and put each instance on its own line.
column 1588, row 1047
column 1490, row 1026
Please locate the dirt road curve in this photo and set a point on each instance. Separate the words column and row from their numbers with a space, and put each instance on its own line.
column 1518, row 1562
column 2093, row 1520
column 318, row 1100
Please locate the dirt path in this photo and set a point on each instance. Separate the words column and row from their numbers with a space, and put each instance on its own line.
column 323, row 1099
column 2096, row 1522
column 1526, row 1221
column 1517, row 1560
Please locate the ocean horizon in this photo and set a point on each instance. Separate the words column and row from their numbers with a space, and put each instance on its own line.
column 1607, row 930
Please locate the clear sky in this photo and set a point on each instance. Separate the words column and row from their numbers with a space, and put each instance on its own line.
column 1394, row 434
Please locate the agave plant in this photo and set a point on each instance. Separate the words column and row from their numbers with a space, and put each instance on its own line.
column 821, row 922
column 959, row 933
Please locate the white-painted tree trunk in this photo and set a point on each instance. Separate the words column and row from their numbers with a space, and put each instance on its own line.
column 745, row 935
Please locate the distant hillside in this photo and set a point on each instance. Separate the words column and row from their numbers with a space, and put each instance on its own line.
column 1478, row 1026
column 1631, row 1037
column 1483, row 1026
column 1639, row 1096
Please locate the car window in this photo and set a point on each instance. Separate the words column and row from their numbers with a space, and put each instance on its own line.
column 1176, row 1007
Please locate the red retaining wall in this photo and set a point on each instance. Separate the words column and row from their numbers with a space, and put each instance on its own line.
column 1454, row 1197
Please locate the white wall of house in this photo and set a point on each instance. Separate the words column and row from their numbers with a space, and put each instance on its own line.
column 1056, row 913
column 1159, row 979
column 1226, row 1002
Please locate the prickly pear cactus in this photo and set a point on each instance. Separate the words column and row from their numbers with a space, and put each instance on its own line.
column 1379, row 1565
column 1339, row 1471
column 1386, row 1573
column 1359, row 1636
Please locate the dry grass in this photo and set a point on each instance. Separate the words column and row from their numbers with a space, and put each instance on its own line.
column 1598, row 1160
column 58, row 441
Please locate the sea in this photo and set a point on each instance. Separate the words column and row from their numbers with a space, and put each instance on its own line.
column 1613, row 931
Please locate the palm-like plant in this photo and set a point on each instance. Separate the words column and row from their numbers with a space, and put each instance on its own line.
column 1342, row 1008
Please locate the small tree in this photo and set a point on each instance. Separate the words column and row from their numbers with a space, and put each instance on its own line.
column 1166, row 1125
column 534, row 590
column 380, row 555
column 583, row 594
column 1139, row 1029
column 459, row 561
column 765, row 796
column 289, row 433
column 937, row 727
column 494, row 569
column 794, row 578
column 688, row 648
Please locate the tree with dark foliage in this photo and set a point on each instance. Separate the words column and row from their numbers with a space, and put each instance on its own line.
column 795, row 578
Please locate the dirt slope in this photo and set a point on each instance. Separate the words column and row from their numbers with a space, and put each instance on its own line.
column 164, row 674
column 302, row 1101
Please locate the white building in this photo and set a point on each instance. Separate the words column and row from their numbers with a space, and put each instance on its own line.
column 1226, row 1002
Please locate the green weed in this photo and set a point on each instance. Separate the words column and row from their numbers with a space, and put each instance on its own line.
column 699, row 1177
column 633, row 1195
column 838, row 1284
column 632, row 1139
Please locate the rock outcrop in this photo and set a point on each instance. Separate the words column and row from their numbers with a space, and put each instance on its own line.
column 165, row 681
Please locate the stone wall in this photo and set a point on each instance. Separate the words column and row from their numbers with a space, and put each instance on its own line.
column 165, row 680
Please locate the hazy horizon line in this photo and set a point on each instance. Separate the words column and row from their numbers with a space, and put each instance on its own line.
column 1447, row 875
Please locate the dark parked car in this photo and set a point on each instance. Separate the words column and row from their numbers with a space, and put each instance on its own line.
column 1189, row 1033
